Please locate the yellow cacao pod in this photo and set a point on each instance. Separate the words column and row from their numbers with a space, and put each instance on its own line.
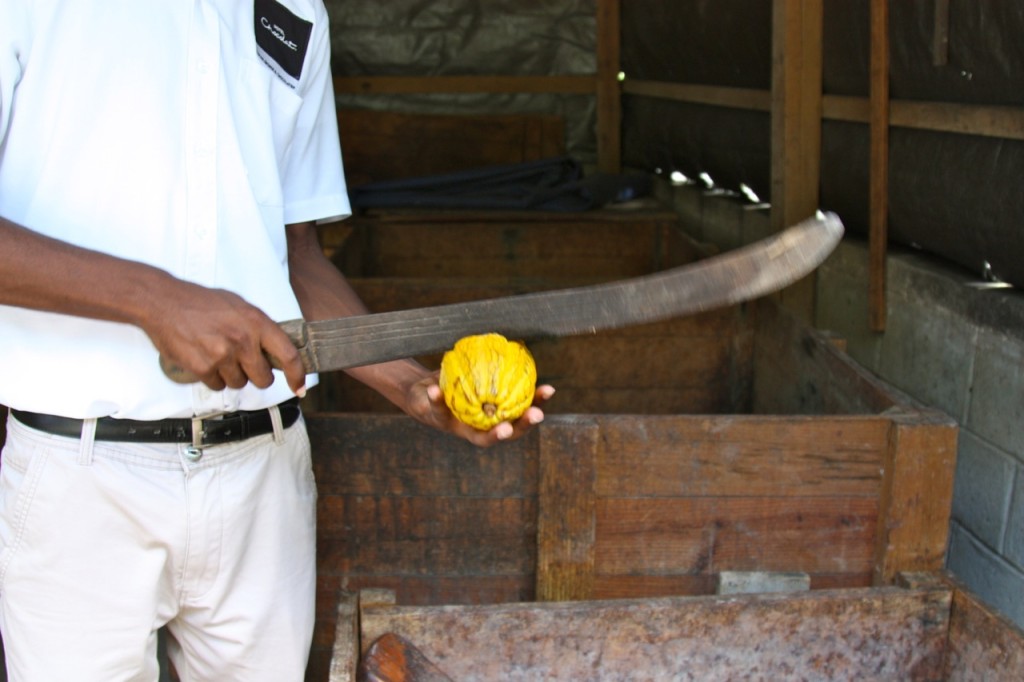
column 487, row 379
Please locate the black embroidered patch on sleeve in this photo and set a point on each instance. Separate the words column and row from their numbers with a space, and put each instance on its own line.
column 282, row 39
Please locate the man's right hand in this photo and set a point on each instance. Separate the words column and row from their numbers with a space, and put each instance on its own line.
column 223, row 340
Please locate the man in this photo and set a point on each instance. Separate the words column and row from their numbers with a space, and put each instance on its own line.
column 163, row 164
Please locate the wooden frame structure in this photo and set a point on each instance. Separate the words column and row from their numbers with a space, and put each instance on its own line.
column 795, row 102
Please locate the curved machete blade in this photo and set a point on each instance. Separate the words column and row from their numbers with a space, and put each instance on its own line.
column 739, row 275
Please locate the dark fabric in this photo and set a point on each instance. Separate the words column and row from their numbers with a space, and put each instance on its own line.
column 556, row 184
column 230, row 428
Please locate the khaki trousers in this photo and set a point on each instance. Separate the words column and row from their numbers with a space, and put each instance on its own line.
column 102, row 544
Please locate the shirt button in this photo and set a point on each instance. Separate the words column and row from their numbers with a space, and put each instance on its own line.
column 203, row 66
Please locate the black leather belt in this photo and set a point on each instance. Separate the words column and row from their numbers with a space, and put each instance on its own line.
column 227, row 428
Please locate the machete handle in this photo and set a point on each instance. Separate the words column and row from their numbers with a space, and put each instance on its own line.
column 295, row 329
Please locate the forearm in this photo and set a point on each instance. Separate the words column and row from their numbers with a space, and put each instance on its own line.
column 46, row 274
column 324, row 293
column 211, row 333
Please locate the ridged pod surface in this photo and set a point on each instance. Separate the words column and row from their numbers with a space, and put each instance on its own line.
column 487, row 379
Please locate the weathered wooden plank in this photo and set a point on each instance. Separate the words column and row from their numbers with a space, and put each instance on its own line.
column 388, row 145
column 636, row 586
column 710, row 398
column 796, row 126
column 404, row 517
column 635, row 212
column 798, row 370
column 565, row 511
column 608, row 94
column 345, row 645
column 917, row 494
column 425, row 556
column 735, row 455
column 383, row 455
column 878, row 177
column 554, row 249
column 848, row 634
column 982, row 644
column 716, row 96
column 712, row 534
column 564, row 84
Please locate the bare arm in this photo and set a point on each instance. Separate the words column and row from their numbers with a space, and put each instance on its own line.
column 211, row 332
column 324, row 293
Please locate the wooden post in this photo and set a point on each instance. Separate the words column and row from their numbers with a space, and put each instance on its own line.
column 878, row 221
column 796, row 126
column 345, row 652
column 609, row 103
column 917, row 495
column 940, row 40
column 565, row 511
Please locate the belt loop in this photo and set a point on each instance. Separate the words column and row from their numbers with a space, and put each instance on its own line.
column 275, row 419
column 87, row 442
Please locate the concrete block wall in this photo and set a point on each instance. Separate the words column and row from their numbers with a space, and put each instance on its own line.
column 950, row 343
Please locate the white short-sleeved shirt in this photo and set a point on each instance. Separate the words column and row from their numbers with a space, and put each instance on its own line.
column 182, row 133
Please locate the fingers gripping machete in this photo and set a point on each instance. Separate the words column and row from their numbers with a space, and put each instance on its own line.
column 739, row 275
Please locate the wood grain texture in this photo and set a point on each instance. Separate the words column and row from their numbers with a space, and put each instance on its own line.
column 847, row 634
column 917, row 494
column 982, row 644
column 565, row 511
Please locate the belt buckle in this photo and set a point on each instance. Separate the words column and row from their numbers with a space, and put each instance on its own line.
column 194, row 452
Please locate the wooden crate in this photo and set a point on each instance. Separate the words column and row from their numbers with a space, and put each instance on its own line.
column 925, row 629
column 735, row 440
column 406, row 259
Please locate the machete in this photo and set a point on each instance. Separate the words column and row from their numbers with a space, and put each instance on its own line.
column 738, row 275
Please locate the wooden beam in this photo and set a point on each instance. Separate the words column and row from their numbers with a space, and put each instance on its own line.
column 797, row 27
column 566, row 511
column 609, row 96
column 733, row 98
column 585, row 84
column 1005, row 122
column 940, row 39
column 878, row 180
column 917, row 495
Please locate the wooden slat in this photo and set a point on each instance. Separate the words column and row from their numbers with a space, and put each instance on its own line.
column 847, row 634
column 557, row 249
column 704, row 535
column 385, row 455
column 565, row 511
column 964, row 119
column 710, row 95
column 609, row 97
column 345, row 645
column 940, row 37
column 558, row 84
column 389, row 145
column 878, row 180
column 982, row 644
column 728, row 456
column 917, row 494
column 1005, row 122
